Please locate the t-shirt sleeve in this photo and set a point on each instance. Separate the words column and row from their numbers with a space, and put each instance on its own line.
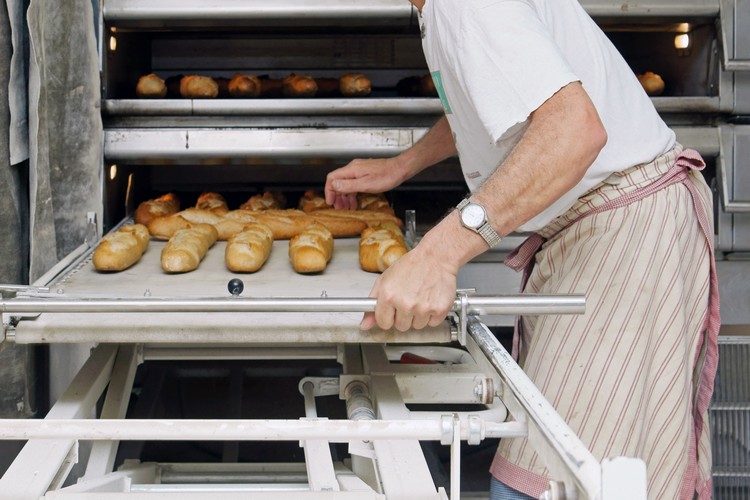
column 508, row 64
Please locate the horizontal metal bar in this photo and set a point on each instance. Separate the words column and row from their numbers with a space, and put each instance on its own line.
column 336, row 431
column 477, row 305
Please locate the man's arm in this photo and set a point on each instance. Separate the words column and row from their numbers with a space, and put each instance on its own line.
column 562, row 140
column 380, row 175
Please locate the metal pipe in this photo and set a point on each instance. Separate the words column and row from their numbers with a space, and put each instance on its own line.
column 234, row 430
column 477, row 305
column 575, row 457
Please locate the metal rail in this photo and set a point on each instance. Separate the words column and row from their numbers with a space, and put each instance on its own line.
column 475, row 305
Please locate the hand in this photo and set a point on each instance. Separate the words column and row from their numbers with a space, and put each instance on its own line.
column 361, row 176
column 418, row 290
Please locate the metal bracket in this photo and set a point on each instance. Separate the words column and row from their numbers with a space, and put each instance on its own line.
column 462, row 314
column 92, row 230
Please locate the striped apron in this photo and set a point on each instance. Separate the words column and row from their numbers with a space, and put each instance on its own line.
column 633, row 376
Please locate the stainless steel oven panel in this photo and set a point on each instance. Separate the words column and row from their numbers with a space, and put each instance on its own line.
column 733, row 176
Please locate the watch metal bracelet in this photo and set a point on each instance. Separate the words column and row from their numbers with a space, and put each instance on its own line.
column 489, row 234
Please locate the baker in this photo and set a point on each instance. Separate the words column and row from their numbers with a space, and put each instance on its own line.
column 556, row 137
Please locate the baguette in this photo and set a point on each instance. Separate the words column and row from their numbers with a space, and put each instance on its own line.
column 310, row 250
column 186, row 249
column 164, row 228
column 380, row 247
column 355, row 85
column 311, row 201
column 374, row 201
column 299, row 86
column 371, row 217
column 266, row 201
column 341, row 227
column 244, row 86
column 147, row 211
column 151, row 86
column 121, row 249
column 213, row 202
column 198, row 87
column 249, row 249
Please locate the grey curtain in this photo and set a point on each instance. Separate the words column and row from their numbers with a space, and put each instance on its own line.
column 65, row 129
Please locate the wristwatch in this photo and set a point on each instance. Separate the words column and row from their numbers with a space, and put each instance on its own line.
column 473, row 216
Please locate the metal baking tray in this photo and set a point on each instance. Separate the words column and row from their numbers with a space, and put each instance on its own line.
column 342, row 279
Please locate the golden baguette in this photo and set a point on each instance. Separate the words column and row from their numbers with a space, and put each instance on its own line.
column 244, row 86
column 164, row 228
column 371, row 217
column 380, row 247
column 355, row 85
column 149, row 210
column 249, row 249
column 310, row 250
column 213, row 202
column 186, row 249
column 121, row 249
column 311, row 201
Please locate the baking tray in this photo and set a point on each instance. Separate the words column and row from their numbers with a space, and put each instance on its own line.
column 342, row 278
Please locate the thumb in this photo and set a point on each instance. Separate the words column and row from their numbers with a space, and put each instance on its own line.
column 368, row 321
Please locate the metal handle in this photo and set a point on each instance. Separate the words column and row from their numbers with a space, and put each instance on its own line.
column 475, row 305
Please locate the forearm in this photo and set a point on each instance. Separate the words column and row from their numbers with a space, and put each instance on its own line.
column 563, row 139
column 435, row 146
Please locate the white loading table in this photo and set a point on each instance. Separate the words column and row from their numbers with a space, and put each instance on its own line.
column 142, row 314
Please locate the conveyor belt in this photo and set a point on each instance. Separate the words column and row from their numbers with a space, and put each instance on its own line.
column 342, row 278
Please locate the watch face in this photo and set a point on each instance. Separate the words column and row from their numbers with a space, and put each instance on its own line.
column 472, row 215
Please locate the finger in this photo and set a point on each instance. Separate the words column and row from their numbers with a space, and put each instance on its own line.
column 368, row 321
column 402, row 321
column 384, row 315
column 420, row 321
column 436, row 320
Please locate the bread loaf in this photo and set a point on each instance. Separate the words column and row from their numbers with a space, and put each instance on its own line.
column 340, row 227
column 186, row 249
column 244, row 86
column 121, row 249
column 285, row 224
column 355, row 85
column 148, row 210
column 198, row 87
column 164, row 228
column 266, row 201
column 380, row 246
column 310, row 250
column 374, row 201
column 151, row 86
column 249, row 249
column 651, row 83
column 371, row 217
column 213, row 202
column 311, row 201
column 299, row 86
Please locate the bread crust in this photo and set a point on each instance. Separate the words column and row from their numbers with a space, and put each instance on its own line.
column 213, row 202
column 312, row 200
column 355, row 85
column 120, row 249
column 310, row 250
column 249, row 249
column 187, row 247
column 380, row 247
column 266, row 201
column 148, row 210
column 244, row 86
column 299, row 86
column 374, row 201
column 198, row 87
column 652, row 83
column 151, row 86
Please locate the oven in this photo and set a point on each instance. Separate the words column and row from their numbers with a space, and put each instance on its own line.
column 279, row 391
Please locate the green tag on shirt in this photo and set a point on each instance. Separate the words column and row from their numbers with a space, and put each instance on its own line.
column 441, row 92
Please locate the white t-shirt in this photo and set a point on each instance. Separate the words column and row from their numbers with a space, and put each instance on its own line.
column 495, row 61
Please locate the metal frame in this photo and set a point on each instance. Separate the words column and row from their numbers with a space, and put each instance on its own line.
column 383, row 435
